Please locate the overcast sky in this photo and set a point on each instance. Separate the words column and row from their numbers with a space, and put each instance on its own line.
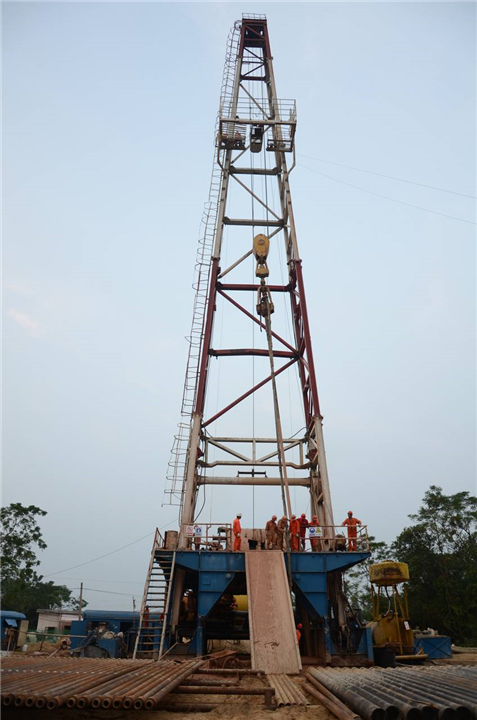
column 109, row 115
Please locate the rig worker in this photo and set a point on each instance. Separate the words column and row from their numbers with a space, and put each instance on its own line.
column 282, row 526
column 315, row 542
column 299, row 628
column 237, row 529
column 294, row 534
column 303, row 522
column 352, row 522
column 271, row 533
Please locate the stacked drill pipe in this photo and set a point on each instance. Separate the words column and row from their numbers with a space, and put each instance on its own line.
column 408, row 693
column 330, row 701
column 286, row 692
column 149, row 693
column 54, row 682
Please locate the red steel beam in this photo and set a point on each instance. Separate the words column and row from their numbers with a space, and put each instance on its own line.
column 307, row 339
column 242, row 286
column 252, row 351
column 247, row 394
column 305, row 388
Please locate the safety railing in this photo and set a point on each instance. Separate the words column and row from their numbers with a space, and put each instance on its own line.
column 208, row 536
column 317, row 538
column 335, row 538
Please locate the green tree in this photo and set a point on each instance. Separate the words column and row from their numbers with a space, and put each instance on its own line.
column 29, row 595
column 19, row 533
column 22, row 588
column 441, row 551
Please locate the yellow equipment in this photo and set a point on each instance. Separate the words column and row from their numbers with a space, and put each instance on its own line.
column 242, row 602
column 261, row 248
column 390, row 627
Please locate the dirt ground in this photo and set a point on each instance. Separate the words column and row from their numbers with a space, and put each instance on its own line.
column 232, row 709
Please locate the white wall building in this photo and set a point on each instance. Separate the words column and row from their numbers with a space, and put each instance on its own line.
column 55, row 620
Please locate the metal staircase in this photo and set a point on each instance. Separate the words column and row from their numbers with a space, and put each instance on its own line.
column 155, row 602
column 174, row 481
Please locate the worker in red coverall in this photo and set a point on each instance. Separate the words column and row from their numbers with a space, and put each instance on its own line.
column 315, row 542
column 299, row 628
column 237, row 529
column 303, row 522
column 294, row 534
column 282, row 526
column 271, row 533
column 351, row 522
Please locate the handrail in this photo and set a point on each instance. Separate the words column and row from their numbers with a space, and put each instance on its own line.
column 329, row 538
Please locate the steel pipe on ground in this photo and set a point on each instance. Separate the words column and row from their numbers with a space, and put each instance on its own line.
column 76, row 696
column 110, row 689
column 333, row 698
column 103, row 697
column 441, row 696
column 130, row 696
column 339, row 710
column 361, row 706
column 126, row 696
column 54, row 696
column 411, row 708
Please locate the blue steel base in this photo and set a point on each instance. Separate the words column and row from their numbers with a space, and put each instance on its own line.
column 217, row 570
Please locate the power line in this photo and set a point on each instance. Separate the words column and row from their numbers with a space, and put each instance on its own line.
column 390, row 177
column 386, row 197
column 120, row 582
column 73, row 567
column 108, row 592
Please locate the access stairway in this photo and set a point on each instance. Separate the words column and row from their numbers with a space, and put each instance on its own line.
column 155, row 602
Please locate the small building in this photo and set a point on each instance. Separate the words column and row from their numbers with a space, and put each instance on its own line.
column 14, row 627
column 55, row 621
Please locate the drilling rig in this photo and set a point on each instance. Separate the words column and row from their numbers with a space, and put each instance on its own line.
column 248, row 236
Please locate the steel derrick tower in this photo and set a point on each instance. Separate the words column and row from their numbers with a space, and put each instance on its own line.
column 255, row 138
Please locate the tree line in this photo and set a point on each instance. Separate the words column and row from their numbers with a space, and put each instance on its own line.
column 22, row 588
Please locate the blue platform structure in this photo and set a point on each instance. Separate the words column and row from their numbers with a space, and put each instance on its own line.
column 213, row 576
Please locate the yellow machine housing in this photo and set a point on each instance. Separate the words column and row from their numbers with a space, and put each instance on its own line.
column 389, row 573
column 390, row 626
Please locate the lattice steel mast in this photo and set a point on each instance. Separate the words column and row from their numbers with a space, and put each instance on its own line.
column 252, row 122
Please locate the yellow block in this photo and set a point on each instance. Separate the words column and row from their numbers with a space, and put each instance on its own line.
column 261, row 246
column 389, row 573
column 242, row 602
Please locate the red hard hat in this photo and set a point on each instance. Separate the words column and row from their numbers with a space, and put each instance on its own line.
column 303, row 515
column 350, row 512
column 293, row 517
column 299, row 626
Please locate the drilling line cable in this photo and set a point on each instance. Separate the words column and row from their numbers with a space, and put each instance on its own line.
column 123, row 547
column 289, row 337
column 389, row 177
column 253, row 340
column 386, row 197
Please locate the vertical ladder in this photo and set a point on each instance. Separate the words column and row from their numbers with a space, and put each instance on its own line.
column 155, row 602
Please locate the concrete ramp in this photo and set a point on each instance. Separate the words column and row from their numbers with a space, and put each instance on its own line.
column 272, row 626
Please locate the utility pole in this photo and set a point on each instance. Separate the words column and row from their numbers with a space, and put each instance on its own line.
column 80, row 604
